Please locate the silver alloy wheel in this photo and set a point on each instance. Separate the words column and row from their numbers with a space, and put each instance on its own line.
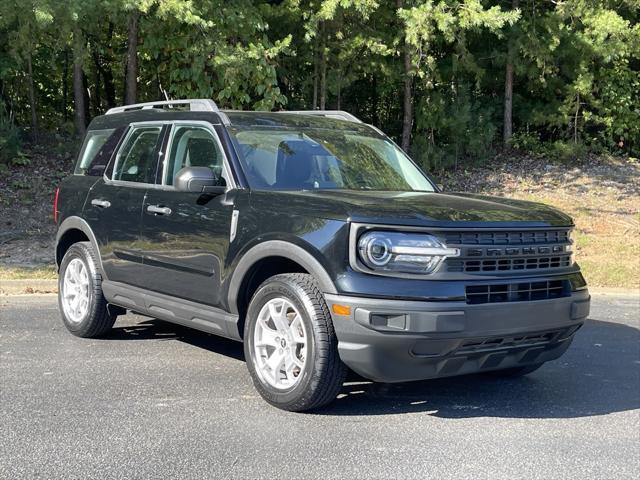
column 75, row 291
column 280, row 344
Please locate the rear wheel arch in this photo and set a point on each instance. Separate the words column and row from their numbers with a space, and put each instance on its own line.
column 73, row 230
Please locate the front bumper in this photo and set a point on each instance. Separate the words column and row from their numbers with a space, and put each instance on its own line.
column 396, row 340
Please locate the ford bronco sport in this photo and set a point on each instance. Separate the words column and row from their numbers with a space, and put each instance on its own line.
column 314, row 239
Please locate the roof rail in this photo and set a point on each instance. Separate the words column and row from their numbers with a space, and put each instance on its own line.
column 339, row 114
column 195, row 105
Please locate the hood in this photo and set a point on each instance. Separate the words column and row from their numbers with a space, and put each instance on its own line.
column 416, row 208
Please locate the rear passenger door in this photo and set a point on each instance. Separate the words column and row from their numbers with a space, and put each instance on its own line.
column 114, row 205
column 187, row 235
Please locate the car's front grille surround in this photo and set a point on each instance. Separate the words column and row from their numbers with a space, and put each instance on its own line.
column 517, row 292
column 496, row 252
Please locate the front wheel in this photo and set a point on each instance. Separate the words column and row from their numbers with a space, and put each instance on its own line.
column 84, row 309
column 290, row 345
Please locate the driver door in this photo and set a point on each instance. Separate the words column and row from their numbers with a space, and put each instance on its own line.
column 186, row 235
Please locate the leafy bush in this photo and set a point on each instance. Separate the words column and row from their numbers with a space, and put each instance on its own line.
column 527, row 142
column 559, row 151
column 565, row 152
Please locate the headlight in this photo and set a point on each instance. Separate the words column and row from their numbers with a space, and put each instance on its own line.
column 403, row 252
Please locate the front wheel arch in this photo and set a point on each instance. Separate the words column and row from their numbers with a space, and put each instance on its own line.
column 276, row 248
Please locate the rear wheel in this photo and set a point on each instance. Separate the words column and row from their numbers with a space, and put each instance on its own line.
column 290, row 345
column 84, row 309
column 516, row 371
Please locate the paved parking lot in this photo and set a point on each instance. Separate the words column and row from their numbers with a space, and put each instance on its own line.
column 155, row 400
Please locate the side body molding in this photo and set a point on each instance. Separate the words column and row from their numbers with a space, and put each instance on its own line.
column 78, row 223
column 277, row 248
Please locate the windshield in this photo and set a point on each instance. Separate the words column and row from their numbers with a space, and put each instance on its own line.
column 303, row 158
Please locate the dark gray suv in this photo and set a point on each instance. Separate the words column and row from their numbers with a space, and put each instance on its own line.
column 314, row 239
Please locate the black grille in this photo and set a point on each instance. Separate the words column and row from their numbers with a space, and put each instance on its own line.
column 508, row 264
column 517, row 292
column 528, row 237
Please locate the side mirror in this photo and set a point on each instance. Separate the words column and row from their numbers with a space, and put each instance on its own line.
column 198, row 180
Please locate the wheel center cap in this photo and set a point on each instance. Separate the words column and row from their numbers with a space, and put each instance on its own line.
column 283, row 343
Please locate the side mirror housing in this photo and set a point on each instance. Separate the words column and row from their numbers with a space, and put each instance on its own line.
column 198, row 180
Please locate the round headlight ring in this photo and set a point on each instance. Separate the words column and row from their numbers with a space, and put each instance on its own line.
column 375, row 249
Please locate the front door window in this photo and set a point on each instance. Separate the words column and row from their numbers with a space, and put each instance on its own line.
column 193, row 146
column 136, row 161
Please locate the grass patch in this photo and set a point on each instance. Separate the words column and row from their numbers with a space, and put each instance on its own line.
column 599, row 193
column 609, row 261
column 24, row 273
column 606, row 241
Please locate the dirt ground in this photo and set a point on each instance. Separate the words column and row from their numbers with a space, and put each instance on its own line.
column 601, row 193
column 26, row 209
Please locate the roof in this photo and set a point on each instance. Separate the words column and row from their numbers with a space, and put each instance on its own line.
column 284, row 119
column 207, row 110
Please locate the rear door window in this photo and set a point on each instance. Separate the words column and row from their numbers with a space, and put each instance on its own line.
column 93, row 144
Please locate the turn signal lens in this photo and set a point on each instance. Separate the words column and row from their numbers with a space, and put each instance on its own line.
column 344, row 310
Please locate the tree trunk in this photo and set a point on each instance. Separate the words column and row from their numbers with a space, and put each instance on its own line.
column 132, row 59
column 507, row 129
column 87, row 98
column 575, row 120
column 109, row 87
column 407, row 95
column 6, row 101
column 407, row 117
column 65, row 86
column 374, row 102
column 316, row 69
column 339, row 88
column 97, row 87
column 323, row 68
column 32, row 100
column 107, row 74
column 80, row 117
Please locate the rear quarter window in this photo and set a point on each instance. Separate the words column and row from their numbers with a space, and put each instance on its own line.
column 97, row 150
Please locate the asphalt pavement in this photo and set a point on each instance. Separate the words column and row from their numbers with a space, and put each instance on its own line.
column 155, row 400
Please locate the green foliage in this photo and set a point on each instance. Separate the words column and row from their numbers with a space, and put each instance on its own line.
column 219, row 50
column 527, row 142
column 576, row 66
column 452, row 127
column 9, row 141
column 565, row 152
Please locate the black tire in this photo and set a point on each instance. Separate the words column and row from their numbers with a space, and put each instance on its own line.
column 516, row 371
column 98, row 320
column 323, row 373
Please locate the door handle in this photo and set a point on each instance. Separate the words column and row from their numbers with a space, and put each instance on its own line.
column 96, row 202
column 158, row 210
